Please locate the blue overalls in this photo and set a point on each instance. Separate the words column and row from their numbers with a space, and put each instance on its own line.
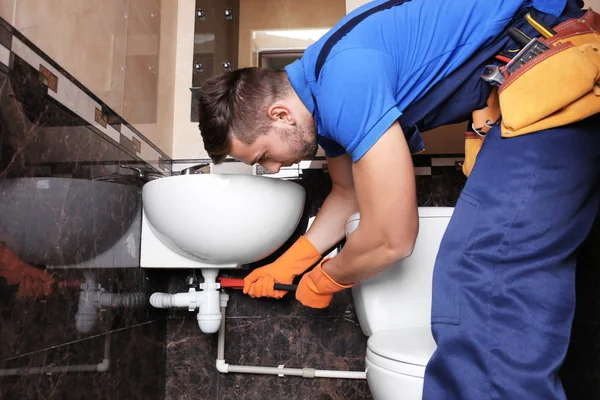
column 504, row 278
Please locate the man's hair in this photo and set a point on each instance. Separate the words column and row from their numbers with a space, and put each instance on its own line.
column 237, row 101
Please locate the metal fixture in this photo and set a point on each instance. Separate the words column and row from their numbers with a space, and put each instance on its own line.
column 198, row 67
column 190, row 280
column 228, row 14
column 144, row 174
column 200, row 14
column 227, row 65
column 193, row 169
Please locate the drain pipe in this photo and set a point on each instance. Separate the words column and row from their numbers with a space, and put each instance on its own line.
column 93, row 297
column 206, row 301
column 280, row 371
column 101, row 367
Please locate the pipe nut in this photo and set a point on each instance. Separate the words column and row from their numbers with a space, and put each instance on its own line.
column 193, row 299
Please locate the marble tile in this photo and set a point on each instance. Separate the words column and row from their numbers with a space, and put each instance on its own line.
column 4, row 55
column 128, row 376
column 294, row 342
column 85, row 39
column 69, row 214
column 5, row 35
column 89, row 106
column 441, row 189
column 141, row 79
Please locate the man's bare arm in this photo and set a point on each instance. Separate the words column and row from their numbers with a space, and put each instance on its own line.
column 385, row 189
column 328, row 228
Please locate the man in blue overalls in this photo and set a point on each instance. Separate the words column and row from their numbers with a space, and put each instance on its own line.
column 503, row 290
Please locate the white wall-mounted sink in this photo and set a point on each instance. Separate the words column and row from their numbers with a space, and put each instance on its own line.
column 217, row 221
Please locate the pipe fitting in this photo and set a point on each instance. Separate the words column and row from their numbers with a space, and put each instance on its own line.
column 92, row 297
column 104, row 365
column 222, row 366
column 207, row 302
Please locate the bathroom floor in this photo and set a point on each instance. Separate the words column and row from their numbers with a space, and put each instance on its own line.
column 266, row 332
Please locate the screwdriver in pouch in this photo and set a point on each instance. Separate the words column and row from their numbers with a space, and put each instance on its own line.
column 539, row 26
column 519, row 37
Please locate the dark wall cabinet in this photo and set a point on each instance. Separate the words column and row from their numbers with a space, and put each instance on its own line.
column 216, row 38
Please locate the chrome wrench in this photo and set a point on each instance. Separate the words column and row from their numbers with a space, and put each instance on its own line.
column 493, row 76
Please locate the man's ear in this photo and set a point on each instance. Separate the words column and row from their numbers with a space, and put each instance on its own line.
column 281, row 113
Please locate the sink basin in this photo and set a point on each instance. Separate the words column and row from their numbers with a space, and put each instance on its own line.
column 59, row 222
column 216, row 221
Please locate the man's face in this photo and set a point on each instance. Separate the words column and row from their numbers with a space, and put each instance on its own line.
column 281, row 147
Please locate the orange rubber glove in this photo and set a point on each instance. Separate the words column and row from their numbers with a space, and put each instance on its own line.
column 33, row 282
column 316, row 288
column 296, row 260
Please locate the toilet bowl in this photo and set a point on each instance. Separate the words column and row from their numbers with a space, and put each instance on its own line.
column 396, row 361
column 394, row 310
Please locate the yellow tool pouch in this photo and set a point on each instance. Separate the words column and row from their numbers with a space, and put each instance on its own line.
column 556, row 88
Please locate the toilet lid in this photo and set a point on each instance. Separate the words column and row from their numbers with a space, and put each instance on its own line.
column 413, row 346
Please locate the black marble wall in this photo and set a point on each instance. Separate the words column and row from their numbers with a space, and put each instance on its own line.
column 269, row 332
column 70, row 219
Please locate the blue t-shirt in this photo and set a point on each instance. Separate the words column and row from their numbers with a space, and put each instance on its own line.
column 391, row 59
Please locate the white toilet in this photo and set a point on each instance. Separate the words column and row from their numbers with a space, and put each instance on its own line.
column 394, row 310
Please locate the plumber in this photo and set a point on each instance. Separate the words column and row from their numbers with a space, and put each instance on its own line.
column 503, row 285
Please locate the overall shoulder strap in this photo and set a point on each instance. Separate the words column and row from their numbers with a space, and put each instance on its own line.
column 347, row 27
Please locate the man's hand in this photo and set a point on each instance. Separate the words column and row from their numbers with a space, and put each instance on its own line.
column 316, row 288
column 292, row 263
column 32, row 281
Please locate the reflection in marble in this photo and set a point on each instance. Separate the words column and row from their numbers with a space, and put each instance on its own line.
column 115, row 48
column 69, row 210
column 87, row 38
column 64, row 221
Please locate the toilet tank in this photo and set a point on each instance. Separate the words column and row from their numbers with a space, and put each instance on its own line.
column 401, row 296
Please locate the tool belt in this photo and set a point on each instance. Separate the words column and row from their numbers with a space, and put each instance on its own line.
column 557, row 86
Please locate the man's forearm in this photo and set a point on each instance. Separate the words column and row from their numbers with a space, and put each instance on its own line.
column 329, row 227
column 365, row 255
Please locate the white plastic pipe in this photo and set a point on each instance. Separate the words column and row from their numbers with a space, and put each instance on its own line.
column 207, row 302
column 225, row 368
column 177, row 300
column 129, row 300
column 101, row 367
column 92, row 297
